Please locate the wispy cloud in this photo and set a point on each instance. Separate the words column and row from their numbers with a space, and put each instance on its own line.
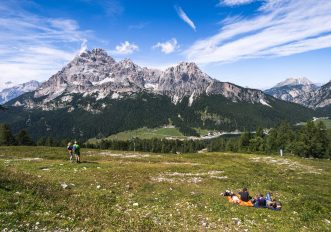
column 125, row 48
column 282, row 28
column 109, row 7
column 167, row 47
column 235, row 2
column 35, row 47
column 138, row 26
column 184, row 17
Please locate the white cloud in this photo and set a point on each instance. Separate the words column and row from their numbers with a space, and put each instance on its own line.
column 235, row 2
column 64, row 24
column 184, row 17
column 35, row 47
column 125, row 48
column 282, row 28
column 167, row 47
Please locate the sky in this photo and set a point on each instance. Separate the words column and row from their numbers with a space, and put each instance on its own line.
column 252, row 43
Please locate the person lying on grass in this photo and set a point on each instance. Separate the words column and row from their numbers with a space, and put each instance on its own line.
column 259, row 201
column 272, row 203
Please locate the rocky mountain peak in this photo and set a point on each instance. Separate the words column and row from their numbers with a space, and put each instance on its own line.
column 187, row 72
column 95, row 73
column 185, row 67
column 99, row 51
column 7, row 84
column 16, row 90
column 322, row 96
column 127, row 63
column 294, row 81
column 302, row 91
column 96, row 55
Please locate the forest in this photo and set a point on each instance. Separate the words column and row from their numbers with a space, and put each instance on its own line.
column 308, row 140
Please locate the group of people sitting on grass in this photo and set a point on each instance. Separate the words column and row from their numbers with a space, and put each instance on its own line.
column 259, row 201
column 74, row 149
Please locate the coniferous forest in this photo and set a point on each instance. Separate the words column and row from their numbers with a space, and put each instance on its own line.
column 147, row 110
column 309, row 140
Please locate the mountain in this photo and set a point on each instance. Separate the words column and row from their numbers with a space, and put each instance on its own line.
column 321, row 97
column 97, row 75
column 301, row 91
column 94, row 94
column 294, row 82
column 6, row 85
column 12, row 91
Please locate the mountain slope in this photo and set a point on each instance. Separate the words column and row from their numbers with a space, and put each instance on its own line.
column 14, row 91
column 294, row 90
column 294, row 82
column 322, row 96
column 214, row 112
column 302, row 91
column 97, row 75
column 94, row 94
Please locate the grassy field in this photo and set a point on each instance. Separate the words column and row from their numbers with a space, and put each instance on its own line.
column 146, row 133
column 150, row 133
column 40, row 190
column 327, row 122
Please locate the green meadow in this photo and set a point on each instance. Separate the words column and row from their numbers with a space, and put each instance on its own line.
column 40, row 190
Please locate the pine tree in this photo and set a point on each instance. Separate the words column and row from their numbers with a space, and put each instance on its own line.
column 2, row 108
column 256, row 144
column 22, row 138
column 41, row 141
column 285, row 135
column 321, row 141
column 243, row 144
column 271, row 143
column 6, row 137
column 49, row 142
column 312, row 141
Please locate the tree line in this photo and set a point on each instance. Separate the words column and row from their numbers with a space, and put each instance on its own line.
column 309, row 140
column 8, row 139
column 151, row 145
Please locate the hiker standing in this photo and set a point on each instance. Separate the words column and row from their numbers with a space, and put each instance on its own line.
column 70, row 151
column 76, row 149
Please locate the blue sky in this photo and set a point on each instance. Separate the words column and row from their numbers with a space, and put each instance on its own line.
column 254, row 43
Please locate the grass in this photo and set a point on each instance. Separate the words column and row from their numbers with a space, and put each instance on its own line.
column 327, row 122
column 150, row 133
column 201, row 132
column 146, row 133
column 121, row 191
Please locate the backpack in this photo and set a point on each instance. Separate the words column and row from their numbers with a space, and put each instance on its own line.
column 77, row 149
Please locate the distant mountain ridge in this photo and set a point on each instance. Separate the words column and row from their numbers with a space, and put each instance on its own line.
column 97, row 75
column 12, row 91
column 6, row 85
column 294, row 82
column 302, row 91
column 321, row 97
column 94, row 94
